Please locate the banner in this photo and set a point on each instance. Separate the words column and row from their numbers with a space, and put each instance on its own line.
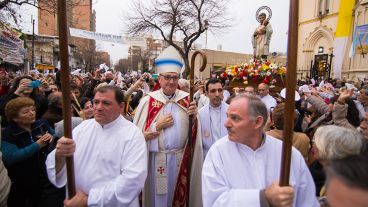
column 360, row 41
column 11, row 46
column 344, row 24
column 136, row 41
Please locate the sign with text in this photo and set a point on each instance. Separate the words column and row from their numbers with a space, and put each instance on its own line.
column 137, row 41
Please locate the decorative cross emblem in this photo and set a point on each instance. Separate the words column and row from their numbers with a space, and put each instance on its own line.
column 156, row 104
column 161, row 170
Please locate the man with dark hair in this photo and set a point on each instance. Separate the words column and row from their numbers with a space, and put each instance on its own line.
column 242, row 168
column 212, row 116
column 110, row 156
column 347, row 182
column 211, row 119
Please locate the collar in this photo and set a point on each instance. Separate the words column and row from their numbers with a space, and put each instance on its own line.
column 111, row 124
column 215, row 108
column 247, row 149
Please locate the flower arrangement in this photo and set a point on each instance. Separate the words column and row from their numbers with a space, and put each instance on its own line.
column 256, row 71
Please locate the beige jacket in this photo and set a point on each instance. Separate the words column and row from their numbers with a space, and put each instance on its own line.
column 300, row 141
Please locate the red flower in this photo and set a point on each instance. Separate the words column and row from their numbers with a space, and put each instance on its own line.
column 254, row 79
column 224, row 75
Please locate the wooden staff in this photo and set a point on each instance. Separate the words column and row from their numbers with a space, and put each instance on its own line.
column 290, row 92
column 65, row 88
column 191, row 93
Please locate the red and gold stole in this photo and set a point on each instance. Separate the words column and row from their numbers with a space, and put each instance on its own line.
column 181, row 188
column 154, row 106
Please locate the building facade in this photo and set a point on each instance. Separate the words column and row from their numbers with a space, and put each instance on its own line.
column 318, row 20
column 81, row 16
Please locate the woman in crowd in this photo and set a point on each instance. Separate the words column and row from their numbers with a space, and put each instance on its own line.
column 334, row 142
column 87, row 108
column 23, row 87
column 25, row 143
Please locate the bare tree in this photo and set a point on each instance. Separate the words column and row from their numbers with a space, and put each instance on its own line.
column 184, row 19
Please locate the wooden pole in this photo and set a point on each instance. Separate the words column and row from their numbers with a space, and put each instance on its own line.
column 191, row 93
column 290, row 92
column 65, row 88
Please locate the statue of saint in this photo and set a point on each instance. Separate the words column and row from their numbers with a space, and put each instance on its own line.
column 261, row 37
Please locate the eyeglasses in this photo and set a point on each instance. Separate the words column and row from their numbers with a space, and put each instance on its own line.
column 169, row 77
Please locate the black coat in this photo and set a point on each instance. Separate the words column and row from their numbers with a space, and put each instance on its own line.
column 30, row 184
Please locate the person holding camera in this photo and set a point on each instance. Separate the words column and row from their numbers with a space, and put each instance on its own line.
column 25, row 144
column 24, row 86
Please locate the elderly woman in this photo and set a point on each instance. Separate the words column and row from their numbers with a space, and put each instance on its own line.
column 333, row 142
column 24, row 144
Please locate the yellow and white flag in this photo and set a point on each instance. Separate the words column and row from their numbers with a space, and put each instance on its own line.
column 343, row 30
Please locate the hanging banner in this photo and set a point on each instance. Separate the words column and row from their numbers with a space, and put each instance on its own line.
column 11, row 46
column 136, row 41
column 360, row 40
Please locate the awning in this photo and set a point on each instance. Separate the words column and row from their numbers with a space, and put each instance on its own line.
column 44, row 67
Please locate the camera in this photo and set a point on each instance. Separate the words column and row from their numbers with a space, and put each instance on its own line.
column 35, row 84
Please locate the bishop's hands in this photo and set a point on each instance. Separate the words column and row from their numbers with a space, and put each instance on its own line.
column 148, row 135
column 65, row 147
column 279, row 196
column 164, row 122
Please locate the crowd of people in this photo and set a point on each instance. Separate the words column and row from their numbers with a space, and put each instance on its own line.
column 130, row 141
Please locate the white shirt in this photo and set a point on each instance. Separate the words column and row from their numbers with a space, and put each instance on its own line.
column 269, row 101
column 212, row 127
column 233, row 174
column 110, row 162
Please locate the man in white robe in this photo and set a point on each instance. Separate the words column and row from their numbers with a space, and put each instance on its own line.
column 163, row 115
column 212, row 116
column 110, row 156
column 242, row 169
column 211, row 119
column 267, row 99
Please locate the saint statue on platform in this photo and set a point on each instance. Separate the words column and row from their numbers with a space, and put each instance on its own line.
column 262, row 35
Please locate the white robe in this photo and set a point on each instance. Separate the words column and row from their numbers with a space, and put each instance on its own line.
column 166, row 151
column 233, row 174
column 110, row 163
column 204, row 141
column 212, row 124
column 269, row 101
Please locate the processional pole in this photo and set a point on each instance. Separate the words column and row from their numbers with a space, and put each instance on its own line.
column 292, row 50
column 191, row 93
column 65, row 88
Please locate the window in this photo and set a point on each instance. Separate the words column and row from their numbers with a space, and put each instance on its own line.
column 327, row 6
column 320, row 7
column 323, row 7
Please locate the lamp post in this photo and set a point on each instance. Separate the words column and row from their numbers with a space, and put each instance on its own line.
column 33, row 40
column 330, row 66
